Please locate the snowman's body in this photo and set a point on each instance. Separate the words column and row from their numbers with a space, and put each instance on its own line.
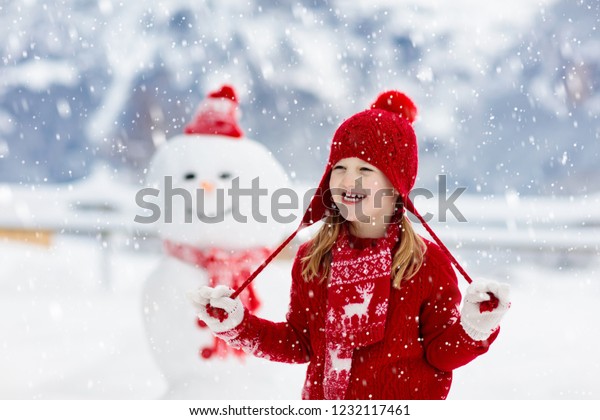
column 207, row 167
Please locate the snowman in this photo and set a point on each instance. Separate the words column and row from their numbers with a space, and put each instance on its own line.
column 214, row 188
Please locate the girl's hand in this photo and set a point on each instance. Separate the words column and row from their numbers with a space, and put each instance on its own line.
column 214, row 306
column 484, row 305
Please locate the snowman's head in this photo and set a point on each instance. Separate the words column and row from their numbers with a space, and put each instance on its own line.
column 217, row 191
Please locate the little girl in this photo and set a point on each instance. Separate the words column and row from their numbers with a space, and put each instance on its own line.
column 374, row 308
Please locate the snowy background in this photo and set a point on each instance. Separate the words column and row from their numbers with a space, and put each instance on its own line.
column 509, row 98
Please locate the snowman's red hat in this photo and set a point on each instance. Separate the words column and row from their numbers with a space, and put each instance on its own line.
column 217, row 114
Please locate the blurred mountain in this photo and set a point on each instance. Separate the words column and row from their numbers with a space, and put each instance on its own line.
column 508, row 92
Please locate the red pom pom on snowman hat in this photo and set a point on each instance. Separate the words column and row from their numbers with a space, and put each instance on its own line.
column 217, row 114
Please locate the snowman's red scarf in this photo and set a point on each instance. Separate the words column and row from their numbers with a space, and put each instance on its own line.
column 229, row 268
column 357, row 302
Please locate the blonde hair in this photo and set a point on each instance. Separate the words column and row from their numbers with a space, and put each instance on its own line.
column 405, row 263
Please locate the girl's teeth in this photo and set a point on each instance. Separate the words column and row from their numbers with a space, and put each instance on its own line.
column 353, row 197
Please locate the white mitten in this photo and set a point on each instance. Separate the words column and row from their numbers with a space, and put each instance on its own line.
column 216, row 308
column 480, row 316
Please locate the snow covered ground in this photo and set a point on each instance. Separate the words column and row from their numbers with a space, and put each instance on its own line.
column 67, row 332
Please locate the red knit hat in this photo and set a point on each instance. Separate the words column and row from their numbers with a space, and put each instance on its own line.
column 383, row 136
column 217, row 114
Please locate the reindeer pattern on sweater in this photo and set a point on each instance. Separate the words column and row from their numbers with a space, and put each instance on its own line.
column 423, row 341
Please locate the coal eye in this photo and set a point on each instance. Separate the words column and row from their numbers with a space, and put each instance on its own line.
column 188, row 176
column 225, row 175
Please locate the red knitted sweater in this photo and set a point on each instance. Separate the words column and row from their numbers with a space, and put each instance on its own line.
column 423, row 339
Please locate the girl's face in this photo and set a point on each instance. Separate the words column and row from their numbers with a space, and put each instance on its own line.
column 364, row 196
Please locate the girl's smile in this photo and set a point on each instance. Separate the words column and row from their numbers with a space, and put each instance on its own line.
column 363, row 194
column 351, row 198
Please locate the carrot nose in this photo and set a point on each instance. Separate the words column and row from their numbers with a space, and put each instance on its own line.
column 207, row 186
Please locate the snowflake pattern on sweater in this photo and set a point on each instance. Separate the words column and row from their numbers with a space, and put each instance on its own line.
column 423, row 341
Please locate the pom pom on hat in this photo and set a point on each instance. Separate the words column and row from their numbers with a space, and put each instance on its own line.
column 398, row 103
column 217, row 114
column 226, row 92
